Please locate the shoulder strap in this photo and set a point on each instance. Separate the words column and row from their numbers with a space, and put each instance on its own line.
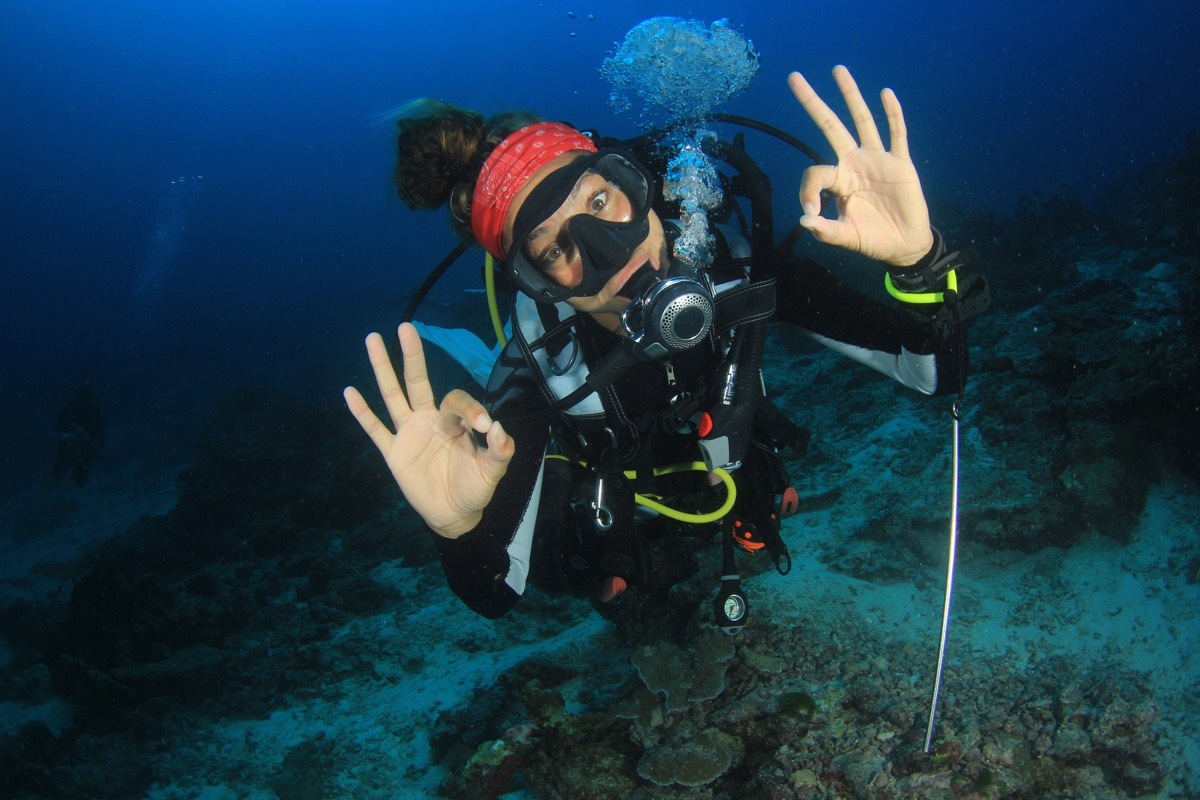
column 547, row 338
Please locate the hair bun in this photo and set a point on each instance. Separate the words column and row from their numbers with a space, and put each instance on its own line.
column 436, row 148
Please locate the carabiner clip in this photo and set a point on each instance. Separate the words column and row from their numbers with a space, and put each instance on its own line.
column 602, row 516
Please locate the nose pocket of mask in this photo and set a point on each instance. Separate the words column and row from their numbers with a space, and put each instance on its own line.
column 605, row 246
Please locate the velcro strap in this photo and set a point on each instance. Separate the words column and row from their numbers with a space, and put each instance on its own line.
column 748, row 303
column 927, row 274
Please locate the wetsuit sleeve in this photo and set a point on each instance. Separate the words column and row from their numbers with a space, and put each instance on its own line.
column 913, row 348
column 488, row 566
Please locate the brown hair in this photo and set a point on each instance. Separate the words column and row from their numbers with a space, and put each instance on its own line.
column 440, row 149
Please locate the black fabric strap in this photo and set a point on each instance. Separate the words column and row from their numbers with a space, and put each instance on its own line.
column 928, row 274
column 557, row 336
column 749, row 303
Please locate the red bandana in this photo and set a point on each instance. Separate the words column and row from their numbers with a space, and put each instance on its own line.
column 509, row 167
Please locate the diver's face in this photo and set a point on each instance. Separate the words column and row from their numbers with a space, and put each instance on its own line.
column 551, row 248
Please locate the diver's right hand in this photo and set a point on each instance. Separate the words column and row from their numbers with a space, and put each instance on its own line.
column 445, row 476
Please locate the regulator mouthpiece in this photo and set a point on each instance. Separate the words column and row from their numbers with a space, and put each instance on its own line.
column 667, row 316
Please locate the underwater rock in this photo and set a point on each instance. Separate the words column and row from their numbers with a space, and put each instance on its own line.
column 490, row 771
column 695, row 761
column 547, row 749
column 1192, row 571
column 305, row 771
column 685, row 677
column 1075, row 407
column 227, row 605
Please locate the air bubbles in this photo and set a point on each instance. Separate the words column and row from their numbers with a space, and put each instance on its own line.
column 678, row 68
column 679, row 71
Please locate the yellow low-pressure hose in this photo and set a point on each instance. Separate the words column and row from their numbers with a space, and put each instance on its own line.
column 674, row 513
column 683, row 516
column 489, row 280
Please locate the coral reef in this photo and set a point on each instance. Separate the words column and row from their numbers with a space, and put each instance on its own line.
column 688, row 676
column 285, row 629
column 697, row 759
column 833, row 724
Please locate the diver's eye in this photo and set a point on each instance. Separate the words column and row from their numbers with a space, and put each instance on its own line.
column 551, row 254
column 598, row 201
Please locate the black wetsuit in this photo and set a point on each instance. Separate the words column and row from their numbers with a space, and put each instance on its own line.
column 488, row 567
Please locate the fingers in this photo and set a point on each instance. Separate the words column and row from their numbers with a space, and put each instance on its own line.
column 896, row 127
column 500, row 447
column 416, row 378
column 864, row 123
column 835, row 132
column 385, row 377
column 376, row 430
column 831, row 231
column 500, row 450
column 463, row 406
column 815, row 180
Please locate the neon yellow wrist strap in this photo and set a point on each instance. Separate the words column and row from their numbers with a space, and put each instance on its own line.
column 922, row 297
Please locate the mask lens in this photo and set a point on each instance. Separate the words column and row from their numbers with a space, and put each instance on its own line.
column 629, row 180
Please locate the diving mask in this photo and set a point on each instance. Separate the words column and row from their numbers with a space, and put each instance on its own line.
column 670, row 310
column 605, row 239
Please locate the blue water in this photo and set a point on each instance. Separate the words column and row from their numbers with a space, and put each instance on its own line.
column 295, row 247
column 196, row 198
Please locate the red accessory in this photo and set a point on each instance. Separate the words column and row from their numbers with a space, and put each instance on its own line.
column 509, row 167
column 611, row 588
column 745, row 534
column 790, row 502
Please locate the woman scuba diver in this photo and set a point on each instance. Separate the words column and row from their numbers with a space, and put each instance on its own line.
column 626, row 359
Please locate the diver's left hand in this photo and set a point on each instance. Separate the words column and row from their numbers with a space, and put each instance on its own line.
column 882, row 211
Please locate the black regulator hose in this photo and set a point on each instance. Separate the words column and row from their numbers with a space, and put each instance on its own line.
column 410, row 310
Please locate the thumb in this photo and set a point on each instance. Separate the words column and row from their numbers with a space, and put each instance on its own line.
column 815, row 180
column 828, row 231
